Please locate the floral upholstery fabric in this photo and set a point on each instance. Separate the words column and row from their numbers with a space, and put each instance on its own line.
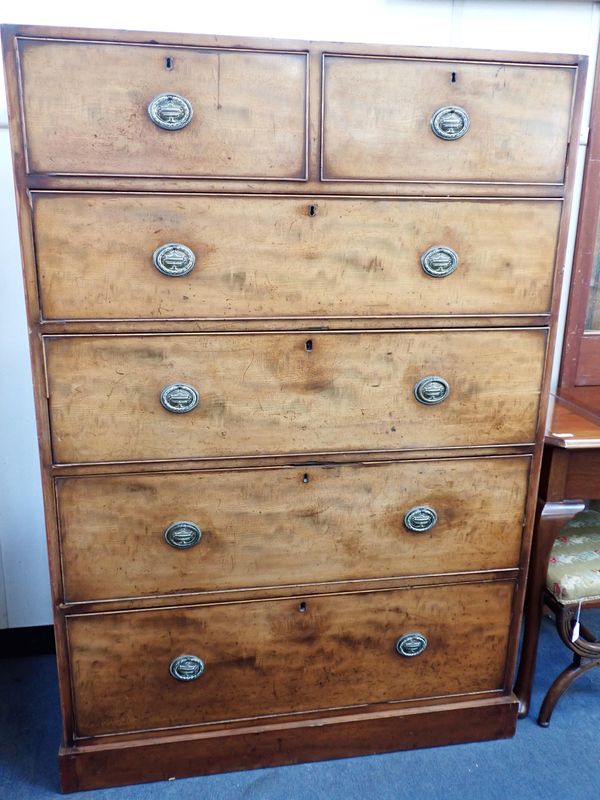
column 574, row 569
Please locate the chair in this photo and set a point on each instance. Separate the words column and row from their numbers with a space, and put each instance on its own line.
column 565, row 576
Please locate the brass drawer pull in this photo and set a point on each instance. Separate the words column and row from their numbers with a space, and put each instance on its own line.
column 169, row 111
column 182, row 535
column 179, row 398
column 439, row 261
column 420, row 519
column 411, row 644
column 174, row 259
column 450, row 122
column 431, row 390
column 186, row 668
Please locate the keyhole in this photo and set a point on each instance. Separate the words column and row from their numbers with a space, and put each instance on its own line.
column 308, row 345
column 453, row 79
column 302, row 607
column 169, row 62
column 312, row 210
column 305, row 478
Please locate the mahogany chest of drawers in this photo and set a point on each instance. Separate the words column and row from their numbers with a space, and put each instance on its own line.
column 291, row 309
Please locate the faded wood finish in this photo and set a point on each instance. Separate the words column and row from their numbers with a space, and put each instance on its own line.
column 377, row 113
column 310, row 459
column 272, row 527
column 467, row 190
column 274, row 657
column 294, row 174
column 85, row 111
column 101, row 763
column 283, row 393
column 310, row 256
column 227, row 595
column 315, row 49
column 172, row 38
column 296, row 324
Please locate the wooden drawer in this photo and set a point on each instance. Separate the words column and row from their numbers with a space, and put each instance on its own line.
column 277, row 527
column 85, row 108
column 289, row 393
column 378, row 111
column 268, row 257
column 279, row 656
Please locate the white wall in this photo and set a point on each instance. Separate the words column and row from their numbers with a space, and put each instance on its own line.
column 541, row 25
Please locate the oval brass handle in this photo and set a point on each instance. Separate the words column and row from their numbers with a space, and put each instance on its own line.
column 174, row 259
column 450, row 122
column 411, row 644
column 170, row 111
column 182, row 535
column 439, row 261
column 179, row 398
column 186, row 668
column 431, row 390
column 420, row 519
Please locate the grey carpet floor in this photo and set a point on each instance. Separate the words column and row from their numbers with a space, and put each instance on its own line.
column 562, row 761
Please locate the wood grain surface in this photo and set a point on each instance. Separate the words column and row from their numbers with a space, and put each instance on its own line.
column 289, row 393
column 278, row 656
column 85, row 110
column 267, row 256
column 271, row 527
column 289, row 683
column 377, row 113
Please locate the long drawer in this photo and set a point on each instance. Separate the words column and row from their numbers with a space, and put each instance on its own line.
column 139, row 256
column 88, row 108
column 127, row 536
column 392, row 119
column 291, row 655
column 130, row 397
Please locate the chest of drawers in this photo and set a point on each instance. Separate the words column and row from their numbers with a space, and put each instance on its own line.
column 291, row 306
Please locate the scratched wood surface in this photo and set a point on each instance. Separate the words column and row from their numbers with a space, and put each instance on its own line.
column 271, row 527
column 377, row 113
column 278, row 656
column 85, row 110
column 290, row 393
column 267, row 256
column 78, row 112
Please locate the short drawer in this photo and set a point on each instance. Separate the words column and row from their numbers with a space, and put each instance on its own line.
column 495, row 122
column 127, row 536
column 284, row 656
column 160, row 257
column 129, row 397
column 93, row 108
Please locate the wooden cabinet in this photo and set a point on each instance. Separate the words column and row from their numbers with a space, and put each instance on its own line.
column 378, row 115
column 262, row 257
column 284, row 656
column 85, row 110
column 289, row 329
column 274, row 394
column 270, row 527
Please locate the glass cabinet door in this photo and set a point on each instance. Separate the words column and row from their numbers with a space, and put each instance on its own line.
column 592, row 317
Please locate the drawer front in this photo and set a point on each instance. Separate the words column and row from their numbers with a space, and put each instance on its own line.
column 125, row 536
column 378, row 112
column 86, row 110
column 267, row 256
column 280, row 656
column 256, row 394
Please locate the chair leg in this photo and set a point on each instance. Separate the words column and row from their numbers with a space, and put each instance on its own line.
column 566, row 678
column 550, row 519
